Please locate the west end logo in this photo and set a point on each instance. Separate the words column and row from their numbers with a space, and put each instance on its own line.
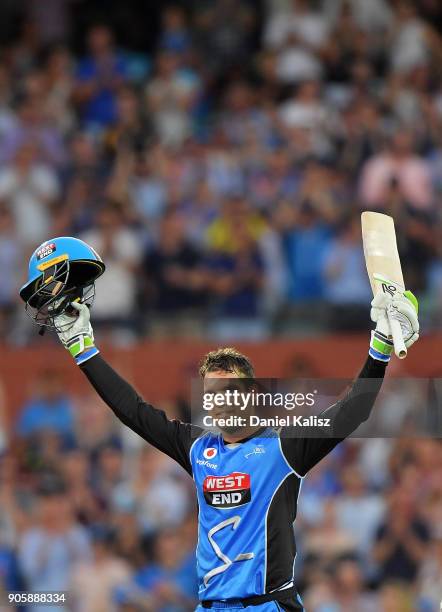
column 227, row 491
column 210, row 453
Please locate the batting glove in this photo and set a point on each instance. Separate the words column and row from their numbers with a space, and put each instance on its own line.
column 76, row 334
column 404, row 308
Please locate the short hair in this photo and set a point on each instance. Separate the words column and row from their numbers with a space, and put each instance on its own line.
column 226, row 359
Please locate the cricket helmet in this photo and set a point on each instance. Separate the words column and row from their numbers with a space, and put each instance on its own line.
column 61, row 270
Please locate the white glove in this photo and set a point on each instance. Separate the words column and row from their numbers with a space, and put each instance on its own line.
column 403, row 307
column 76, row 334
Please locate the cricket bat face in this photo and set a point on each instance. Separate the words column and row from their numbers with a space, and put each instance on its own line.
column 383, row 264
column 381, row 254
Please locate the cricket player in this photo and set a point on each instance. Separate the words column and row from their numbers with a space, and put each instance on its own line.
column 247, row 485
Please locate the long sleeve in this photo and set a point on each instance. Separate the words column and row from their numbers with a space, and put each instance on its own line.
column 345, row 417
column 169, row 436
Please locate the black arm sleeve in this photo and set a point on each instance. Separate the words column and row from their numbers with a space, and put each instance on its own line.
column 171, row 437
column 346, row 416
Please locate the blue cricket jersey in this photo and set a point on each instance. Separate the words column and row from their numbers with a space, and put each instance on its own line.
column 247, row 495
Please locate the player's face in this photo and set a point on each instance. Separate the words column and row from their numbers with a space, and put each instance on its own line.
column 221, row 383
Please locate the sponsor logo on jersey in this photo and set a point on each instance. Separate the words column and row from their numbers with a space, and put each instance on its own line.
column 227, row 491
column 204, row 462
column 210, row 453
column 258, row 450
column 46, row 250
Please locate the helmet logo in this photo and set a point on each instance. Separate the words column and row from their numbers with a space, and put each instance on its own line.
column 51, row 262
column 46, row 250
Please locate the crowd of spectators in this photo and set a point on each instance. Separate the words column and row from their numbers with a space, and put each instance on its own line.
column 221, row 168
column 219, row 164
column 88, row 508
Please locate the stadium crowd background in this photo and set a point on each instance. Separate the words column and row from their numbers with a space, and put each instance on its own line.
column 218, row 156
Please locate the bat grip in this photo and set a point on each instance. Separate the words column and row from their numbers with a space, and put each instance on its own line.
column 398, row 341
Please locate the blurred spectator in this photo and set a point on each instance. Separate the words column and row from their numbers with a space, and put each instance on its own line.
column 116, row 291
column 306, row 114
column 302, row 20
column 9, row 496
column 51, row 18
column 50, row 408
column 199, row 210
column 170, row 581
column 147, row 188
column 349, row 587
column 175, row 34
column 94, row 581
column 359, row 511
column 306, row 244
column 395, row 597
column 24, row 47
column 374, row 455
column 346, row 288
column 154, row 493
column 175, row 278
column 52, row 545
column 170, row 98
column 82, row 498
column 362, row 128
column 224, row 174
column 296, row 64
column 11, row 260
column 29, row 189
column 33, row 129
column 430, row 574
column 7, row 118
column 410, row 97
column 99, row 75
column 108, row 474
column 401, row 541
column 95, row 426
column 9, row 574
column 128, row 540
column 84, row 157
column 236, row 280
column 235, row 212
column 375, row 16
column 224, row 32
column 400, row 166
column 130, row 130
column 327, row 543
column 274, row 178
column 10, row 520
column 241, row 118
column 410, row 44
column 320, row 594
column 322, row 484
column 58, row 81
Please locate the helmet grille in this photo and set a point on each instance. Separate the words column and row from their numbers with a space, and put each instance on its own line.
column 57, row 287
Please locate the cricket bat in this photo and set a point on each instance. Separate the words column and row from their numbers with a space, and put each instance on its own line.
column 383, row 265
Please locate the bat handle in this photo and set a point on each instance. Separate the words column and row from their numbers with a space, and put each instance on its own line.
column 398, row 341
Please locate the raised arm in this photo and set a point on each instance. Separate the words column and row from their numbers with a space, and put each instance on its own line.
column 169, row 436
column 348, row 413
column 345, row 417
